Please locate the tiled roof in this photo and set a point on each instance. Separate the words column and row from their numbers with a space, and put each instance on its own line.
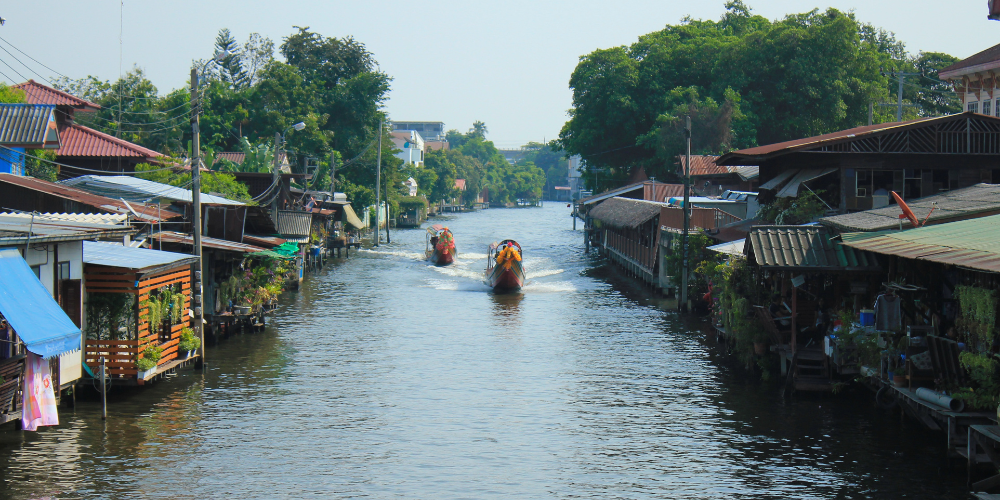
column 36, row 93
column 985, row 57
column 965, row 203
column 237, row 157
column 28, row 125
column 78, row 140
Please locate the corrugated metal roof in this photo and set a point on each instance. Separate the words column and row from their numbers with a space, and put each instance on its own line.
column 28, row 125
column 294, row 225
column 973, row 201
column 808, row 248
column 141, row 259
column 146, row 212
column 626, row 212
column 36, row 93
column 216, row 243
column 973, row 243
column 78, row 140
column 660, row 190
column 139, row 190
column 263, row 241
column 758, row 154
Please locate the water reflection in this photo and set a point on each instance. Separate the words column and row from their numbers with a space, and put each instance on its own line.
column 506, row 309
column 383, row 377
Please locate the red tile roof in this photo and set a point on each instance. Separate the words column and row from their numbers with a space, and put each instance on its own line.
column 147, row 212
column 78, row 140
column 36, row 93
column 460, row 184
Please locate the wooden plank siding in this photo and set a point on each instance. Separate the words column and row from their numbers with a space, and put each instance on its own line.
column 120, row 355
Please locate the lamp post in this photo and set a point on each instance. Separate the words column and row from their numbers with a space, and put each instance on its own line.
column 199, row 313
column 279, row 140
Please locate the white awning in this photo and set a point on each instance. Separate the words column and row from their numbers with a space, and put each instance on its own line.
column 778, row 179
column 729, row 248
column 792, row 189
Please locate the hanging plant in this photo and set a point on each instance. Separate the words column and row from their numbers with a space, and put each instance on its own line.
column 177, row 308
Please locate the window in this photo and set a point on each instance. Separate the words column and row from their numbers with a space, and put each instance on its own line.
column 986, row 108
column 63, row 271
column 972, row 106
column 37, row 270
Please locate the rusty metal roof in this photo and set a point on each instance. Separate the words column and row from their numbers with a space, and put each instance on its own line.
column 146, row 212
column 755, row 155
column 216, row 243
column 263, row 241
column 972, row 243
column 806, row 248
column 30, row 126
column 973, row 201
column 78, row 140
column 36, row 93
column 626, row 212
column 702, row 165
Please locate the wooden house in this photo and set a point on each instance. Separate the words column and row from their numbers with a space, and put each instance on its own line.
column 855, row 169
column 122, row 284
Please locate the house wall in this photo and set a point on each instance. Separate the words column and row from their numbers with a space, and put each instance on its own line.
column 47, row 258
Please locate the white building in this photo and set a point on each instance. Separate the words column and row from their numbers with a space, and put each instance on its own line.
column 975, row 80
column 411, row 184
column 411, row 146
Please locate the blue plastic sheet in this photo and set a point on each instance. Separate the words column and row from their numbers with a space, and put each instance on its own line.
column 29, row 308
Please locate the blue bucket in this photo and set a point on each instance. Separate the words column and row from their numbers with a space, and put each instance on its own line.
column 867, row 317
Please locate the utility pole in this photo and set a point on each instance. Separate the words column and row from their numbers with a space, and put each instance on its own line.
column 275, row 176
column 199, row 318
column 687, row 216
column 899, row 94
column 333, row 174
column 378, row 184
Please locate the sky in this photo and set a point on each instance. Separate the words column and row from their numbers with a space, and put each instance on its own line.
column 506, row 64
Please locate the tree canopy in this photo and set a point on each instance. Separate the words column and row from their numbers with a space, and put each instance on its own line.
column 744, row 80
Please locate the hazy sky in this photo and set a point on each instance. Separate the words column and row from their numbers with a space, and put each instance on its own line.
column 505, row 63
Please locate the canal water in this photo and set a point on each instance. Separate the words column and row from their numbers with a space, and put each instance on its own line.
column 384, row 377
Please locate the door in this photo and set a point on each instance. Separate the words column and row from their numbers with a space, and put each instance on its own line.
column 71, row 300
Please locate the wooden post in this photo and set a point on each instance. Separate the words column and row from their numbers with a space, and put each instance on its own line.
column 104, row 394
column 795, row 311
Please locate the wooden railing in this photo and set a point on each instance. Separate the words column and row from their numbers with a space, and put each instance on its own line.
column 632, row 249
column 119, row 356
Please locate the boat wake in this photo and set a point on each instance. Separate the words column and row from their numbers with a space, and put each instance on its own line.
column 392, row 253
column 542, row 274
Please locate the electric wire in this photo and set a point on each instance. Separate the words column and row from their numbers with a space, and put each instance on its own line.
column 33, row 59
column 92, row 170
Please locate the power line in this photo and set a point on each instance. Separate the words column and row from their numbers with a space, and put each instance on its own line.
column 12, row 69
column 90, row 169
column 33, row 59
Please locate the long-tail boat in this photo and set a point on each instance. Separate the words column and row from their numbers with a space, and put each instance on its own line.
column 441, row 249
column 503, row 266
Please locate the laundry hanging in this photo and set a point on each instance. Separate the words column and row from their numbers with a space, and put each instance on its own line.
column 39, row 404
column 888, row 316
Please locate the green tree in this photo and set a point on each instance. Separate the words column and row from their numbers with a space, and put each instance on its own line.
column 803, row 75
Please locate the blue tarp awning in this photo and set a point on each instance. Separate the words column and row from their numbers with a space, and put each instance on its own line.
column 31, row 311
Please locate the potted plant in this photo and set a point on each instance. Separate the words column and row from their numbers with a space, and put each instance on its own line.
column 146, row 364
column 188, row 343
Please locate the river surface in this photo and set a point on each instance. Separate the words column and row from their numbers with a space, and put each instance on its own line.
column 384, row 377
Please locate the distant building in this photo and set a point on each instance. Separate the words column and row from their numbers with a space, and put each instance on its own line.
column 411, row 184
column 411, row 146
column 23, row 127
column 431, row 131
column 975, row 81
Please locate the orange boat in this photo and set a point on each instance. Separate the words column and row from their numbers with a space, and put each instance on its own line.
column 504, row 271
column 441, row 249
